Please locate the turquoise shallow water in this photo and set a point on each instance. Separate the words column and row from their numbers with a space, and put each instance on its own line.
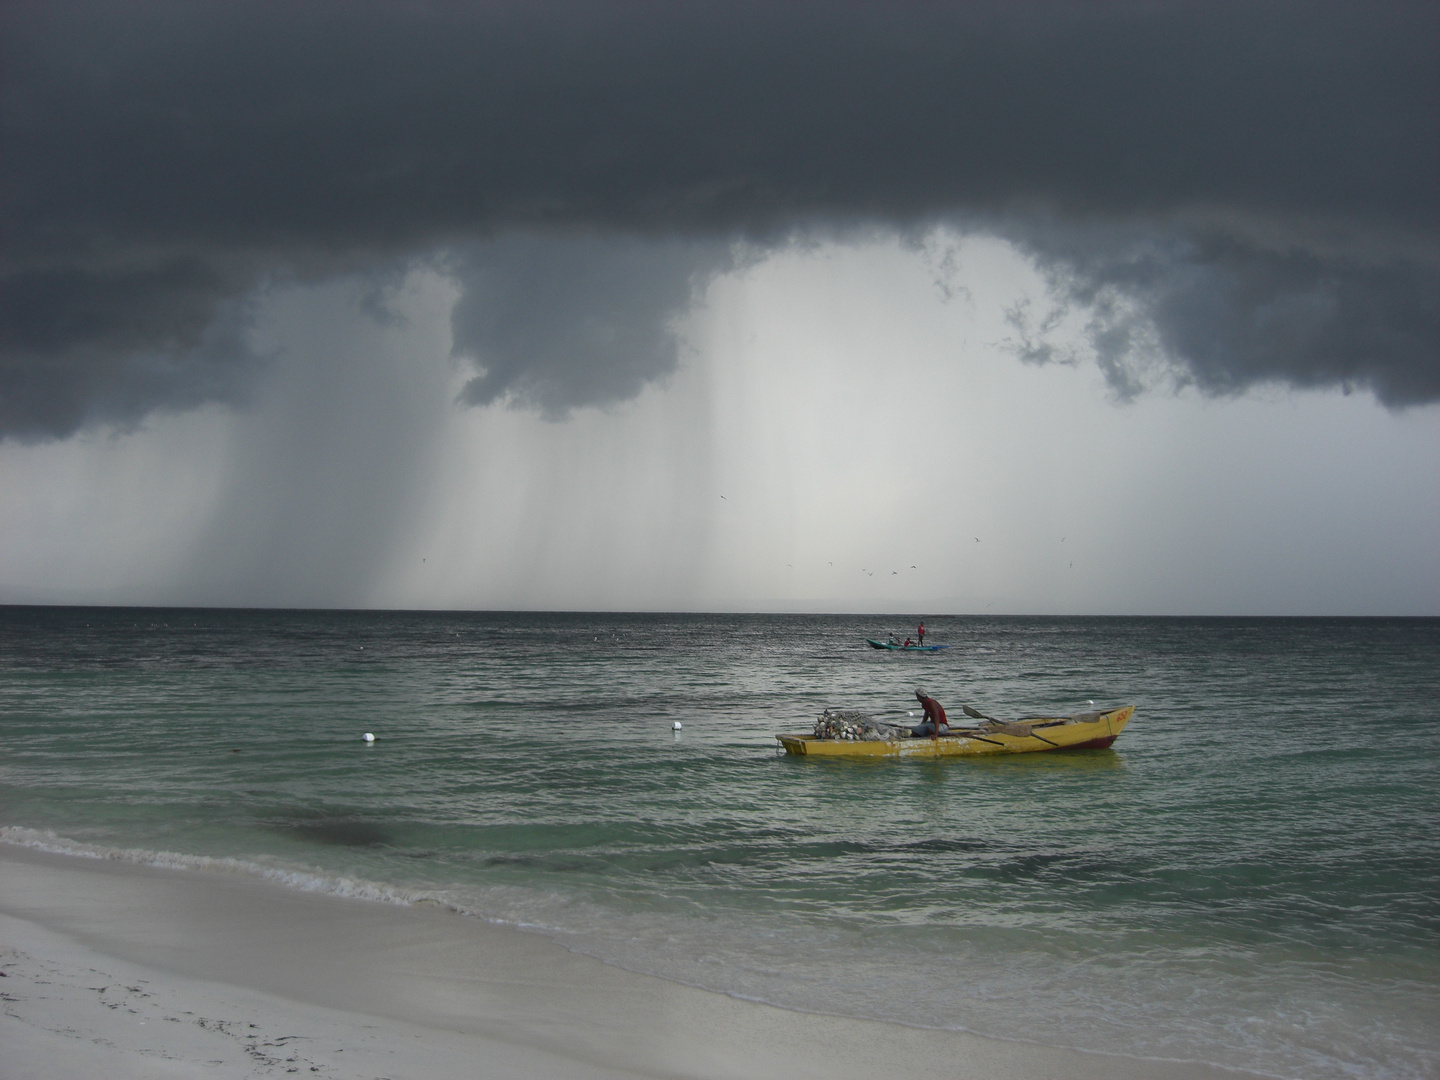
column 1250, row 877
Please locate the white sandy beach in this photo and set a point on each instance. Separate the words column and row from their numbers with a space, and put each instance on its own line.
column 119, row 970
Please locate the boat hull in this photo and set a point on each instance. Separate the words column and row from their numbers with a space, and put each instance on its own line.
column 904, row 648
column 1088, row 731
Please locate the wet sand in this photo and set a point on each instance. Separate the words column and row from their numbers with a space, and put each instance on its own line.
column 119, row 970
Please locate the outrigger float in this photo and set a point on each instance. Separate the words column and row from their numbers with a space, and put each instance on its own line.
column 1083, row 731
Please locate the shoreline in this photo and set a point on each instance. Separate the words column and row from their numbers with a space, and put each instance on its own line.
column 121, row 969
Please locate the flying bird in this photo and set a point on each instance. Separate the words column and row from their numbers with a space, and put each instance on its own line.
column 977, row 539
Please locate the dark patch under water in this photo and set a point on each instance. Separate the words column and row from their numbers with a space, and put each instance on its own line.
column 341, row 833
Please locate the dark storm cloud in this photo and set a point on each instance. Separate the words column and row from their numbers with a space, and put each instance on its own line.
column 560, row 322
column 1252, row 186
column 1229, row 305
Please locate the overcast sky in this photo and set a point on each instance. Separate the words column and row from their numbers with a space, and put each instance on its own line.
column 926, row 307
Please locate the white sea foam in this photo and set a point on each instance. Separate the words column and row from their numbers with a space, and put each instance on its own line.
column 305, row 880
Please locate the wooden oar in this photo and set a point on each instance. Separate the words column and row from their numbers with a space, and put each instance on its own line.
column 968, row 735
column 976, row 714
column 1044, row 740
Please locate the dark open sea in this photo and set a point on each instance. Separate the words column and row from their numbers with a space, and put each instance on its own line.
column 1250, row 877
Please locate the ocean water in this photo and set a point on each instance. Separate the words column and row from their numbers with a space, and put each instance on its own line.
column 1250, row 877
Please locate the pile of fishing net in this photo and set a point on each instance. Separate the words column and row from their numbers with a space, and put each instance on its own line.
column 856, row 727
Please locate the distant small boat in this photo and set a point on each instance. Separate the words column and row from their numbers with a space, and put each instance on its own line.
column 896, row 647
column 1084, row 731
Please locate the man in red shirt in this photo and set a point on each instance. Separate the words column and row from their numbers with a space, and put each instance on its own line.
column 934, row 722
column 921, row 633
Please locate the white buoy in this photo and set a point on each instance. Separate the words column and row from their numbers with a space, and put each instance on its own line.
column 675, row 726
column 368, row 737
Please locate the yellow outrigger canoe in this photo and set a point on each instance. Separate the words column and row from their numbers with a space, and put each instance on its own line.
column 1091, row 730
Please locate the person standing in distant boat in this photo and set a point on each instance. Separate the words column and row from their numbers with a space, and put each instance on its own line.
column 920, row 633
column 935, row 723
